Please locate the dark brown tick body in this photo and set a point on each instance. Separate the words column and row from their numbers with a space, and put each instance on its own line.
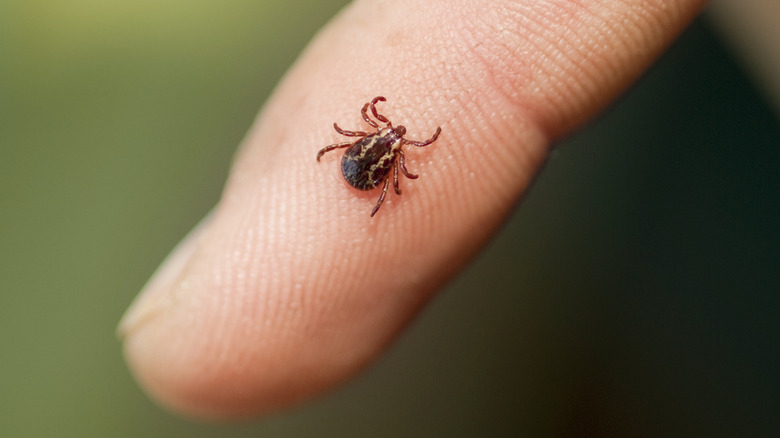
column 368, row 161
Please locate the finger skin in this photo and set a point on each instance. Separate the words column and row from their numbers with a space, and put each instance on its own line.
column 291, row 287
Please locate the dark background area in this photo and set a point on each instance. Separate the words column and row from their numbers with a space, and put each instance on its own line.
column 634, row 292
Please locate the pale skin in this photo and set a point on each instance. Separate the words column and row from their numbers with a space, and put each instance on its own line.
column 261, row 306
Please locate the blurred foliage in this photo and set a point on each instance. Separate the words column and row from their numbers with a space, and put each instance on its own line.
column 633, row 294
column 118, row 120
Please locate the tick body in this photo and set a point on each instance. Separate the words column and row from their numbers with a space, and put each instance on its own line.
column 369, row 161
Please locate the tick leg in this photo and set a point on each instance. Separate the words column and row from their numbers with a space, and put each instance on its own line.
column 395, row 179
column 402, row 159
column 426, row 142
column 378, row 116
column 331, row 147
column 350, row 133
column 381, row 197
column 365, row 116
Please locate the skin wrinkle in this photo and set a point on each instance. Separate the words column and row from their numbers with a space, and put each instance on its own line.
column 482, row 46
column 506, row 100
column 569, row 85
column 504, row 67
column 540, row 25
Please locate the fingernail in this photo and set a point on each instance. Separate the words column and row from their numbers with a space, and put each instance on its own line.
column 157, row 296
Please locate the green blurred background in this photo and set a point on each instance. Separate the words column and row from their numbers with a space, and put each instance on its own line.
column 633, row 293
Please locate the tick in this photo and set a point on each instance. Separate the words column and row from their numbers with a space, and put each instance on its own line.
column 367, row 162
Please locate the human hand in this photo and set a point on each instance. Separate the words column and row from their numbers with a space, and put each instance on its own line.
column 290, row 288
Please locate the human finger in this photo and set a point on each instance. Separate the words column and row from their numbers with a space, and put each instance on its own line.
column 290, row 287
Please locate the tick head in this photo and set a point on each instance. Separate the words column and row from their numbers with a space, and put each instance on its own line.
column 400, row 130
